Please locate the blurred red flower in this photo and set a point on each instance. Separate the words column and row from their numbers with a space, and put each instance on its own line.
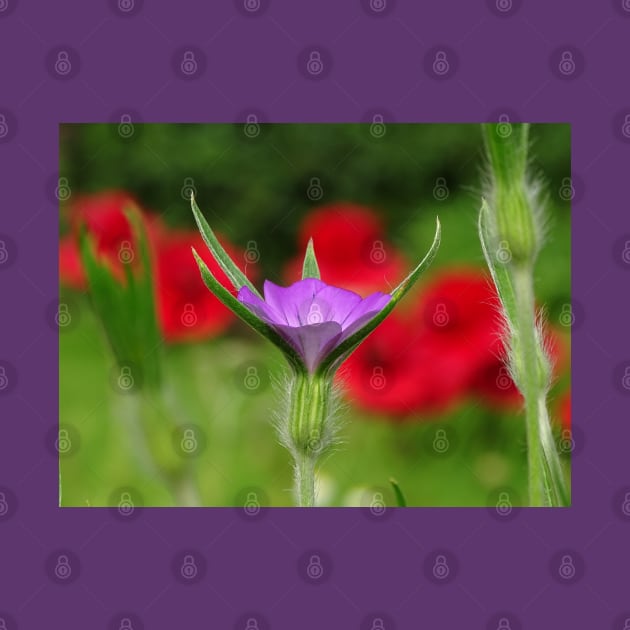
column 103, row 216
column 187, row 310
column 351, row 248
column 448, row 348
column 424, row 363
column 399, row 370
column 495, row 387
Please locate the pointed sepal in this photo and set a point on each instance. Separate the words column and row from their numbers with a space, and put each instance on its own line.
column 310, row 268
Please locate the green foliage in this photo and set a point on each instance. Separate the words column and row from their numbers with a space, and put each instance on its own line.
column 126, row 308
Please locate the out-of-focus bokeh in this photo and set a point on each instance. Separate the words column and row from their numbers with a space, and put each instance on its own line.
column 428, row 400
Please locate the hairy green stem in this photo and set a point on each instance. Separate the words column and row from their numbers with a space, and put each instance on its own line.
column 530, row 384
column 309, row 430
column 305, row 480
column 546, row 477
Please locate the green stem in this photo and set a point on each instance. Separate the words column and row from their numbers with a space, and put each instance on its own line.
column 309, row 429
column 305, row 481
column 529, row 381
column 545, row 476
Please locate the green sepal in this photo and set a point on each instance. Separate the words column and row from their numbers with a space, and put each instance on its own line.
column 233, row 273
column 310, row 268
column 500, row 273
column 341, row 352
column 239, row 309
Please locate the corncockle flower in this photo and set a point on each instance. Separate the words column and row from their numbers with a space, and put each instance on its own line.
column 316, row 326
column 312, row 316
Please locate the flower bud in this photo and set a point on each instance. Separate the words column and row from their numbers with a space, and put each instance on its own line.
column 515, row 224
column 513, row 208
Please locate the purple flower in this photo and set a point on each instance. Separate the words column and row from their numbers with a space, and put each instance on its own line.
column 312, row 316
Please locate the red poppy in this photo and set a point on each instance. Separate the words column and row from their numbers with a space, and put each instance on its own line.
column 103, row 216
column 187, row 309
column 351, row 249
column 431, row 361
column 460, row 308
column 399, row 370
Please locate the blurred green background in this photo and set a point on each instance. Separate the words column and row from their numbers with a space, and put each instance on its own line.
column 255, row 188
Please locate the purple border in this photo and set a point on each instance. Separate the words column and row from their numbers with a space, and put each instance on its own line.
column 374, row 56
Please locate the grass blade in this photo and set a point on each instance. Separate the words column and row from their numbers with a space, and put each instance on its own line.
column 400, row 497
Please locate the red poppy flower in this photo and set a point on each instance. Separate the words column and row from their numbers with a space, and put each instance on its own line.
column 430, row 361
column 103, row 215
column 459, row 306
column 399, row 370
column 351, row 249
column 187, row 310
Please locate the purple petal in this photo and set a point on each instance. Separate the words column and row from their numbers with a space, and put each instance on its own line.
column 313, row 342
column 364, row 312
column 334, row 304
column 259, row 307
column 287, row 300
column 371, row 304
